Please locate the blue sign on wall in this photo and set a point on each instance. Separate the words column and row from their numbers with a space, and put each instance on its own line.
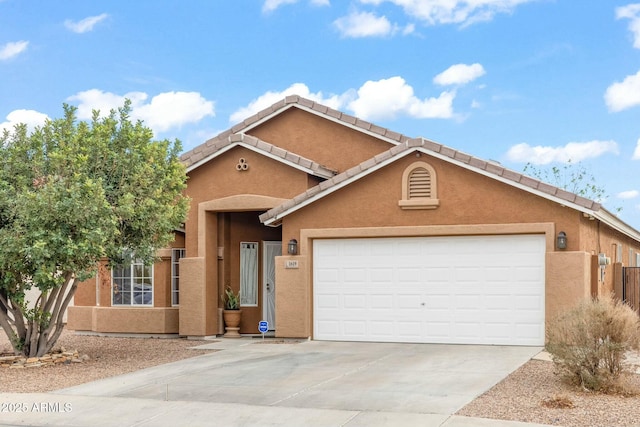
column 263, row 326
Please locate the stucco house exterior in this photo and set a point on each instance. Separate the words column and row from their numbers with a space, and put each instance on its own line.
column 394, row 239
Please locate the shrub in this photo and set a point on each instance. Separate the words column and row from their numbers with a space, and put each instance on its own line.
column 589, row 344
column 558, row 401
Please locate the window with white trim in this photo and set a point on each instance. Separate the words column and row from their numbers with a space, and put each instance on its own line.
column 419, row 187
column 249, row 273
column 132, row 284
column 176, row 254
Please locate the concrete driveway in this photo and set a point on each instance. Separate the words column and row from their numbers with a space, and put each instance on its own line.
column 249, row 382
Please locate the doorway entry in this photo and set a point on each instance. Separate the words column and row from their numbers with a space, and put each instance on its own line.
column 270, row 250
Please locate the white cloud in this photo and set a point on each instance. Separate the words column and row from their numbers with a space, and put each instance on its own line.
column 386, row 98
column 631, row 194
column 632, row 12
column 572, row 152
column 96, row 99
column 459, row 74
column 269, row 98
column 85, row 24
column 363, row 24
column 382, row 99
column 271, row 5
column 636, row 152
column 11, row 49
column 31, row 118
column 464, row 12
column 163, row 112
column 622, row 95
column 173, row 109
column 409, row 29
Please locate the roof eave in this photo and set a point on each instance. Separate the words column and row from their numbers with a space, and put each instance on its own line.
column 616, row 223
column 322, row 173
column 600, row 213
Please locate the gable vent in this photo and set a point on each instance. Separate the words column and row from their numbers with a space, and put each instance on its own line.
column 419, row 184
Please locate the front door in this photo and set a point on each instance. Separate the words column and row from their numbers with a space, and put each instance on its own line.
column 270, row 251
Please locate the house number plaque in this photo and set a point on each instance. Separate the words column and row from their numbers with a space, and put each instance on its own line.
column 291, row 263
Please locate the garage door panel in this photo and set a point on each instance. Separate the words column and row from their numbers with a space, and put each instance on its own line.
column 328, row 327
column 327, row 275
column 381, row 275
column 327, row 301
column 468, row 274
column 355, row 328
column 356, row 275
column 354, row 301
column 480, row 289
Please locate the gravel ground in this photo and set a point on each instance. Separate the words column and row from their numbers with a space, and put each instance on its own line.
column 526, row 394
column 108, row 356
column 520, row 397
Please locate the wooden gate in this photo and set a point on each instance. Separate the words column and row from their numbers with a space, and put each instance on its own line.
column 631, row 287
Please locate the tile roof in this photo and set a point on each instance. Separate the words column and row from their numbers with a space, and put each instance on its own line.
column 220, row 145
column 460, row 158
column 202, row 153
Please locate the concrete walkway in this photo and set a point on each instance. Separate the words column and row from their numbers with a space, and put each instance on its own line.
column 310, row 383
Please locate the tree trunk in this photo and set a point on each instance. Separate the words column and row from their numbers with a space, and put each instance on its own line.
column 36, row 334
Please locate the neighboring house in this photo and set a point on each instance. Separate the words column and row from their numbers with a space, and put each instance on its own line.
column 398, row 239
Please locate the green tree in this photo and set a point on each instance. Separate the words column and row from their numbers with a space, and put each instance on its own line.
column 73, row 193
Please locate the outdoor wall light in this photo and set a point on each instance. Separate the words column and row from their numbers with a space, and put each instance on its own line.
column 561, row 240
column 292, row 247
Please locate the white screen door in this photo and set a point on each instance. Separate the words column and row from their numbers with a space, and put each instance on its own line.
column 270, row 251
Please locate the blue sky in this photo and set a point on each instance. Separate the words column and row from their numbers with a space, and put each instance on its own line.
column 515, row 81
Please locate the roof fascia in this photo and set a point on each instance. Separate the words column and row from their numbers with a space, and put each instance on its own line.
column 264, row 153
column 601, row 214
column 617, row 224
column 563, row 202
column 511, row 182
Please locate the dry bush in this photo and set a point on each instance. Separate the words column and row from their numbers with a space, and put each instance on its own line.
column 558, row 401
column 589, row 344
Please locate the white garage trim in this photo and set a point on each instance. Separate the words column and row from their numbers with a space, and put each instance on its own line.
column 453, row 289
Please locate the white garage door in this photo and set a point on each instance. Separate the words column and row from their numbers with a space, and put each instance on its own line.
column 462, row 290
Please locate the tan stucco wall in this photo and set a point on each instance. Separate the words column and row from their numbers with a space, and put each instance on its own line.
column 192, row 298
column 568, row 277
column 219, row 179
column 599, row 238
column 293, row 298
column 334, row 146
column 124, row 320
column 80, row 318
column 465, row 198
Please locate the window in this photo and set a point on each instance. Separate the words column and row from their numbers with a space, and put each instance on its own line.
column 249, row 273
column 176, row 254
column 419, row 187
column 132, row 284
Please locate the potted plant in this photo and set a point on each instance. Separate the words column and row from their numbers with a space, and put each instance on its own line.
column 232, row 313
